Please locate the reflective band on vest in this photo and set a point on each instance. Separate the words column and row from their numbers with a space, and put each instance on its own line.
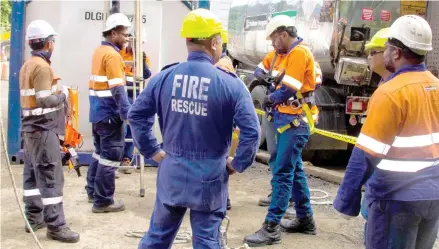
column 41, row 111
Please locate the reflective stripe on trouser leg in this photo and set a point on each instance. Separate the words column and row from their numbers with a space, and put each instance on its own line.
column 43, row 147
column 93, row 166
column 163, row 227
column 112, row 137
column 31, row 193
column 286, row 168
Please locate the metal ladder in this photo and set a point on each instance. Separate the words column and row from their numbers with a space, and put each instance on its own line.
column 137, row 60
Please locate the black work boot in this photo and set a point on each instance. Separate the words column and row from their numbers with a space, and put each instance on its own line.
column 303, row 225
column 35, row 227
column 265, row 201
column 229, row 206
column 269, row 234
column 91, row 199
column 63, row 235
column 115, row 207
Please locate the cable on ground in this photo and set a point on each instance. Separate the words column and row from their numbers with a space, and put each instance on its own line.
column 8, row 163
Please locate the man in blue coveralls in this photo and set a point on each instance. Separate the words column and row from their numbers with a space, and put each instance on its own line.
column 197, row 104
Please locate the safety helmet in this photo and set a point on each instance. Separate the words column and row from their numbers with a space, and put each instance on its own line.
column 414, row 32
column 379, row 39
column 116, row 19
column 39, row 29
column 202, row 23
column 276, row 22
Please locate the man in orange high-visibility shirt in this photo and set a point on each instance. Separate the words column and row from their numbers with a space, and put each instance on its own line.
column 286, row 162
column 397, row 152
column 109, row 107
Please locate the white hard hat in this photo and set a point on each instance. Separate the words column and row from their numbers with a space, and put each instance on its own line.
column 117, row 19
column 39, row 29
column 276, row 22
column 414, row 32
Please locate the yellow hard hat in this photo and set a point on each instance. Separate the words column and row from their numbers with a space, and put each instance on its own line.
column 379, row 39
column 202, row 23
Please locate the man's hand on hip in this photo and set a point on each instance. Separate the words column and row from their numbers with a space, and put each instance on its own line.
column 230, row 169
column 159, row 156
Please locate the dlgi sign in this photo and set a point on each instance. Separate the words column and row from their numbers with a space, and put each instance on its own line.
column 101, row 16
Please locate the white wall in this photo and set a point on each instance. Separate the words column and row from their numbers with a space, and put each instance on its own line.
column 79, row 37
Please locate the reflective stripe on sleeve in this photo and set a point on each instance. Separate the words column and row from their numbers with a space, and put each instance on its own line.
column 261, row 66
column 43, row 94
column 40, row 94
column 98, row 78
column 292, row 82
column 416, row 141
column 405, row 166
column 115, row 81
column 31, row 192
column 373, row 145
column 52, row 200
column 130, row 79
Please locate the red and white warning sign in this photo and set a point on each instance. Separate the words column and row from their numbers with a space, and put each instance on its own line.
column 367, row 14
column 386, row 16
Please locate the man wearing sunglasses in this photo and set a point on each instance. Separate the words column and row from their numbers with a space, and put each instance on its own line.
column 399, row 144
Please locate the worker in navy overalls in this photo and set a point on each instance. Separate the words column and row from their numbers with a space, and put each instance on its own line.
column 197, row 104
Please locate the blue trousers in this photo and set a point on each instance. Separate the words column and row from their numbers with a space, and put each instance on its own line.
column 402, row 224
column 108, row 139
column 166, row 220
column 289, row 179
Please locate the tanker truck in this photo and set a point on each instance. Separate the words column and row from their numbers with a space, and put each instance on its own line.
column 336, row 32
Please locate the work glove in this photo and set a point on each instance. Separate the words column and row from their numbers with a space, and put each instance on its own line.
column 267, row 103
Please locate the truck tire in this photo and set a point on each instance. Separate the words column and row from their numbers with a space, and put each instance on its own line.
column 258, row 94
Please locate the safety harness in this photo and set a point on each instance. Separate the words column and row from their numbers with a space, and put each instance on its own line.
column 301, row 100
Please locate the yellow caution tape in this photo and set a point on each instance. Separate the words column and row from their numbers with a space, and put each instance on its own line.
column 333, row 135
column 337, row 136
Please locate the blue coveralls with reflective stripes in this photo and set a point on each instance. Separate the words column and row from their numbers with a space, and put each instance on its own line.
column 197, row 104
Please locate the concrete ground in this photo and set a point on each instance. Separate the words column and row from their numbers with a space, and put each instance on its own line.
column 108, row 230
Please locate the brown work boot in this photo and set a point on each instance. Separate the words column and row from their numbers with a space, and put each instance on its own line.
column 63, row 235
column 115, row 207
column 35, row 227
column 126, row 162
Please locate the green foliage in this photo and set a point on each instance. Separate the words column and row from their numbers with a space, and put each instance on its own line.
column 5, row 14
